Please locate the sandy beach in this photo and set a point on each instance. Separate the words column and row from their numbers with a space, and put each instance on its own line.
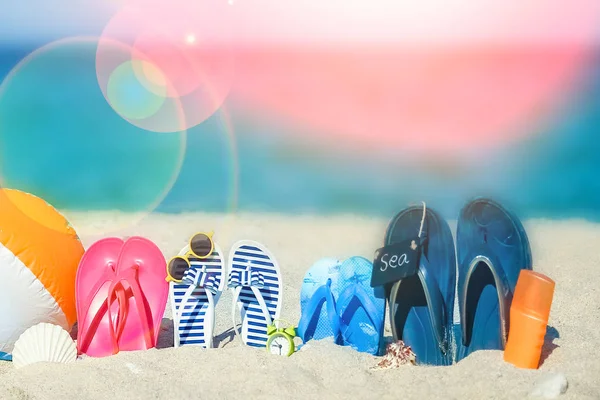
column 567, row 251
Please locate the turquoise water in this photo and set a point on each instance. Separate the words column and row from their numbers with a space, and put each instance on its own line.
column 61, row 140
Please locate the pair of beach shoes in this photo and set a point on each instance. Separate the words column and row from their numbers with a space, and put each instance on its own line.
column 337, row 302
column 491, row 250
column 121, row 296
column 122, row 293
column 255, row 279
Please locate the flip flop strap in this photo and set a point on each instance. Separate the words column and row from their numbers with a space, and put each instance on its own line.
column 435, row 304
column 261, row 302
column 123, row 309
column 504, row 292
column 129, row 275
column 117, row 289
column 255, row 281
column 357, row 291
column 208, row 317
column 323, row 292
column 334, row 320
column 108, row 276
column 198, row 277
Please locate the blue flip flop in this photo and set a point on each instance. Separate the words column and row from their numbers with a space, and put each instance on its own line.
column 361, row 308
column 492, row 248
column 421, row 305
column 319, row 319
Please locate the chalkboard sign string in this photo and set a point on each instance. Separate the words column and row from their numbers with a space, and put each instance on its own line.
column 413, row 245
column 423, row 218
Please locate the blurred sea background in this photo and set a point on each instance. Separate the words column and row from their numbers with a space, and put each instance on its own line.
column 61, row 140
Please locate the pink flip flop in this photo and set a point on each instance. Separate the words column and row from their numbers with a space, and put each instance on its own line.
column 141, row 273
column 96, row 334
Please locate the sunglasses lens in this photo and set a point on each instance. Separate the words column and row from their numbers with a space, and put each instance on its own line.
column 201, row 245
column 177, row 267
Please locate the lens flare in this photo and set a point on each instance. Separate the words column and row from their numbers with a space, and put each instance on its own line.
column 187, row 44
column 137, row 95
column 60, row 141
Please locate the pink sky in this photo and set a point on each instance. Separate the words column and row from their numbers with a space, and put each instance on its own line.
column 418, row 22
column 322, row 21
column 421, row 100
column 383, row 72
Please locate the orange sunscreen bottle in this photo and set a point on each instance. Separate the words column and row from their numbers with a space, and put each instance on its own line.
column 529, row 314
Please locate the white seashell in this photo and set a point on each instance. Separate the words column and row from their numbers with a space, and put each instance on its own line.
column 44, row 343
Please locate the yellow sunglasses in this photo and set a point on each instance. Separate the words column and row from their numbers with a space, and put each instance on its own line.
column 201, row 246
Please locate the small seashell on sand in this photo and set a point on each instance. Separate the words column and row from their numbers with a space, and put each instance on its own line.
column 396, row 354
column 44, row 342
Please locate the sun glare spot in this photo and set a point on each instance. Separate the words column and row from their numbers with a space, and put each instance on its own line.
column 190, row 39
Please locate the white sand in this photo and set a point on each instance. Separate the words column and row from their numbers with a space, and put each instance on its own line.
column 569, row 252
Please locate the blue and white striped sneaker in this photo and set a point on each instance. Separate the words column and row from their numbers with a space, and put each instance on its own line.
column 193, row 300
column 255, row 279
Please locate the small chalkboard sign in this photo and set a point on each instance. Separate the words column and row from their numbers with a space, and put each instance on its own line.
column 395, row 262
